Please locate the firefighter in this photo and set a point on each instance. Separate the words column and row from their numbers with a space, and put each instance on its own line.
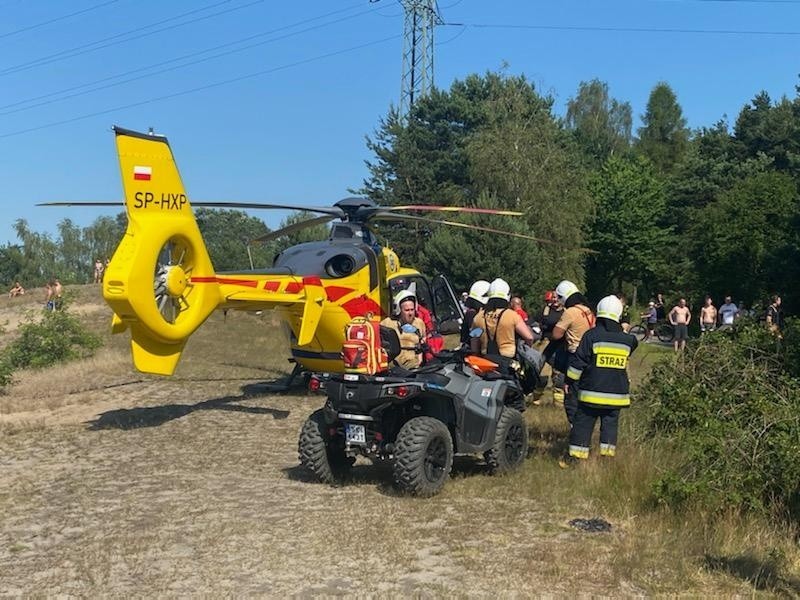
column 550, row 314
column 410, row 329
column 599, row 367
column 500, row 326
column 476, row 300
column 548, row 317
column 575, row 321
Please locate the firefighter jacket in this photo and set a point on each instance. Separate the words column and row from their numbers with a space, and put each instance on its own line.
column 412, row 337
column 599, row 365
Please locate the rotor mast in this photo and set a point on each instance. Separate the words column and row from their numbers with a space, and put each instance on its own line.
column 421, row 16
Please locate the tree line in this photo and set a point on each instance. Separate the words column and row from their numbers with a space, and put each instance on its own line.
column 669, row 209
column 666, row 209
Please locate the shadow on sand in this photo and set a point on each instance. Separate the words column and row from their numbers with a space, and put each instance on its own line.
column 379, row 474
column 761, row 574
column 153, row 416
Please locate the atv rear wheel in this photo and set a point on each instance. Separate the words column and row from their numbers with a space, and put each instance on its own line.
column 423, row 456
column 317, row 454
column 510, row 446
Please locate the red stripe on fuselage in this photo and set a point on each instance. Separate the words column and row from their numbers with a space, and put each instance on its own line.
column 335, row 292
column 359, row 307
column 244, row 282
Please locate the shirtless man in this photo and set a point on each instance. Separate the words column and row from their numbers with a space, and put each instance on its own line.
column 48, row 296
column 17, row 290
column 680, row 316
column 708, row 316
column 57, row 291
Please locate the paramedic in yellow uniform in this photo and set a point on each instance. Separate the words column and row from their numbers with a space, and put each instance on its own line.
column 410, row 329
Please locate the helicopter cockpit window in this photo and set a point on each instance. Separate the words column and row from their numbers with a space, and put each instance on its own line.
column 448, row 309
column 423, row 290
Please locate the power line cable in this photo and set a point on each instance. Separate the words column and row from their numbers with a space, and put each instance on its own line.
column 203, row 87
column 99, row 44
column 56, row 19
column 622, row 29
column 68, row 95
column 447, row 41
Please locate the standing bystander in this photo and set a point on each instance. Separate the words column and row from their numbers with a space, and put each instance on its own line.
column 679, row 317
column 651, row 315
column 728, row 313
column 98, row 270
column 774, row 316
column 708, row 316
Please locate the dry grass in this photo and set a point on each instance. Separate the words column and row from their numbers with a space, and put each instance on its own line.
column 117, row 484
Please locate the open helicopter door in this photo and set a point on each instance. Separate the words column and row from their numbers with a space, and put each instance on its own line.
column 446, row 306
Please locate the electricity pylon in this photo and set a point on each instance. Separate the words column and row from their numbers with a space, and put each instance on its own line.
column 421, row 16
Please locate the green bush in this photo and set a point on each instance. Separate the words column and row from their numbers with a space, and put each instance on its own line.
column 731, row 409
column 54, row 337
column 6, row 372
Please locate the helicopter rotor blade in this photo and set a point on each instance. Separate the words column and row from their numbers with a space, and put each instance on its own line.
column 388, row 216
column 273, row 235
column 457, row 209
column 334, row 211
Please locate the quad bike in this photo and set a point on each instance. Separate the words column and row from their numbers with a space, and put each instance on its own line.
column 417, row 419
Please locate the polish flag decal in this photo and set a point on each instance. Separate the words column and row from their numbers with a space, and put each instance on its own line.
column 142, row 173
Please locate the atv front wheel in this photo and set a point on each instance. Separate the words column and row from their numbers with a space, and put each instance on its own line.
column 423, row 456
column 317, row 454
column 510, row 446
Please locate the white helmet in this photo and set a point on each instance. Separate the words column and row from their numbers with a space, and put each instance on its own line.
column 479, row 290
column 564, row 290
column 401, row 297
column 610, row 307
column 499, row 288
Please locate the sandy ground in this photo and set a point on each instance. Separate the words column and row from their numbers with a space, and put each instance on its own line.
column 118, row 484
column 177, row 488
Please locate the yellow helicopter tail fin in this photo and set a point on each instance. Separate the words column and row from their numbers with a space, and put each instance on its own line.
column 149, row 282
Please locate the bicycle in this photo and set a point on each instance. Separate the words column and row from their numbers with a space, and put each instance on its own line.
column 663, row 330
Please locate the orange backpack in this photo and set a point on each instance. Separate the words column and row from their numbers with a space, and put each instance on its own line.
column 362, row 351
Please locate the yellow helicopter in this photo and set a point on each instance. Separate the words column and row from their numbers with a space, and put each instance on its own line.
column 162, row 286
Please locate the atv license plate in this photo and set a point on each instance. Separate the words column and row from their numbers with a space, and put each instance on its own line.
column 355, row 433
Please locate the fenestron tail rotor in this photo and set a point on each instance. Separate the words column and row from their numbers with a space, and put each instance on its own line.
column 172, row 281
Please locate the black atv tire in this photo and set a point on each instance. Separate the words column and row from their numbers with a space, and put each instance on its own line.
column 423, row 456
column 327, row 463
column 510, row 448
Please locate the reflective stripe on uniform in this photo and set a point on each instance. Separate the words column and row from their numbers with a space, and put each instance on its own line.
column 608, row 449
column 608, row 315
column 574, row 374
column 611, row 348
column 581, row 452
column 604, row 398
column 608, row 355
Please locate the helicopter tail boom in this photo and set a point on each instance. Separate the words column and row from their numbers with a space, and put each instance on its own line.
column 148, row 282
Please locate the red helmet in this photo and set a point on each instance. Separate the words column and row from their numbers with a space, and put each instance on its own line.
column 549, row 296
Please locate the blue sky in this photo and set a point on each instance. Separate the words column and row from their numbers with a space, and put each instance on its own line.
column 285, row 120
